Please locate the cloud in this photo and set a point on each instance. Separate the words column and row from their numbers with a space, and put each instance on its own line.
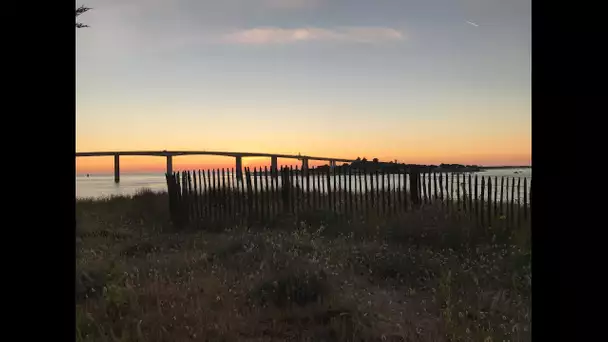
column 292, row 4
column 275, row 35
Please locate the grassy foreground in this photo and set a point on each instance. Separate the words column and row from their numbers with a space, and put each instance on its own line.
column 423, row 277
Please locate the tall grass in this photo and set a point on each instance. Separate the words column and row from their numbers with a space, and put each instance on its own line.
column 423, row 276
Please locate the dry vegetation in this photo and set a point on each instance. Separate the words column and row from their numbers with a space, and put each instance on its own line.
column 427, row 276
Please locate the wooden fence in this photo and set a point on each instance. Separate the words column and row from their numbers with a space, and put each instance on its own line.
column 207, row 197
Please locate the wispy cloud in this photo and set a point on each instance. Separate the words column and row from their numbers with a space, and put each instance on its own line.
column 276, row 35
column 292, row 4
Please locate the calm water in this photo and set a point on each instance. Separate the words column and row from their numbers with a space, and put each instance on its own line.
column 100, row 185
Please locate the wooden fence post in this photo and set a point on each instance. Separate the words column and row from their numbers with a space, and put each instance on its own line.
column 415, row 186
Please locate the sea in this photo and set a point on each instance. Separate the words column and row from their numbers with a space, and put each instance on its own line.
column 103, row 185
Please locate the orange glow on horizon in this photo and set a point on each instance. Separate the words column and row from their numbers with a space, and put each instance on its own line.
column 130, row 164
column 503, row 138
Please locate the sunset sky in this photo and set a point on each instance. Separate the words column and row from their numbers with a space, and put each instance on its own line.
column 420, row 81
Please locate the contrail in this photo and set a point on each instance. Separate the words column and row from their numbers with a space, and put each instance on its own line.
column 468, row 22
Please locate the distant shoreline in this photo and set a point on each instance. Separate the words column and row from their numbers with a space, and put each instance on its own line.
column 505, row 167
column 481, row 168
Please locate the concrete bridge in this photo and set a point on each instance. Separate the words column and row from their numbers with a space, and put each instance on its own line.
column 238, row 156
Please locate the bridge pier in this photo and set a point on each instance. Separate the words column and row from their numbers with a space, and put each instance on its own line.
column 274, row 171
column 239, row 168
column 169, row 165
column 304, row 167
column 116, row 168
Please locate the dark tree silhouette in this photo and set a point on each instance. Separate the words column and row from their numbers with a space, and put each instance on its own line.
column 375, row 160
column 80, row 10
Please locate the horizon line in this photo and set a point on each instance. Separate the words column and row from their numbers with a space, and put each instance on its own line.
column 110, row 172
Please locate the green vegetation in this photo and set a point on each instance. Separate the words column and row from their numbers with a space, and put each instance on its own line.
column 425, row 276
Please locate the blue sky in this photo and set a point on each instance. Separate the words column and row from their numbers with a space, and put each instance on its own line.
column 413, row 77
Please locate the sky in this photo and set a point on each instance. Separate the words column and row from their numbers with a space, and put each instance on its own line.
column 417, row 81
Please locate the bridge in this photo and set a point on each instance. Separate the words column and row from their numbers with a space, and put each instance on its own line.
column 238, row 156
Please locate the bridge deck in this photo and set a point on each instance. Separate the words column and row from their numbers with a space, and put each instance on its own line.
column 210, row 153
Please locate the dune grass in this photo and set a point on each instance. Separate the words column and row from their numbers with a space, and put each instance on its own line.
column 425, row 276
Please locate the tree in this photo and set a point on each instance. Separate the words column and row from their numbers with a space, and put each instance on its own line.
column 375, row 160
column 80, row 10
